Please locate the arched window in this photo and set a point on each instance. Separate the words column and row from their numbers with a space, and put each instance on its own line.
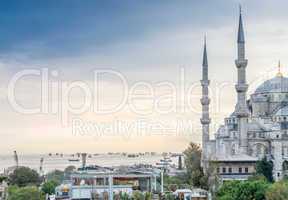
column 285, row 165
column 261, row 150
column 233, row 149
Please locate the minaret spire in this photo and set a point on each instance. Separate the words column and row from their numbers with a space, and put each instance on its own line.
column 205, row 101
column 241, row 109
column 205, row 61
column 241, row 38
column 279, row 73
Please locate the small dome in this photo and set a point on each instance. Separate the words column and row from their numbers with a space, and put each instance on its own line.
column 282, row 111
column 276, row 84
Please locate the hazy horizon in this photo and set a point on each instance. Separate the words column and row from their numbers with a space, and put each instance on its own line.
column 148, row 56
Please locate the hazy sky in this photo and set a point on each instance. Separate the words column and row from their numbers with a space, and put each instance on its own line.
column 147, row 46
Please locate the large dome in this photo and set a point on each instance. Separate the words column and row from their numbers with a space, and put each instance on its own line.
column 276, row 84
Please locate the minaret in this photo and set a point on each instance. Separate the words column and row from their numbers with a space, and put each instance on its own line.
column 205, row 120
column 279, row 73
column 241, row 109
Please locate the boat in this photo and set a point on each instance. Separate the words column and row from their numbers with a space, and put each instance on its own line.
column 132, row 155
column 165, row 160
column 73, row 160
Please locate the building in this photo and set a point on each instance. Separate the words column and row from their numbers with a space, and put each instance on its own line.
column 256, row 128
column 3, row 190
column 194, row 194
column 95, row 182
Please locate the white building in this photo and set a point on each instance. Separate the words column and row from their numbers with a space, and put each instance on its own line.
column 3, row 190
column 99, row 182
column 256, row 128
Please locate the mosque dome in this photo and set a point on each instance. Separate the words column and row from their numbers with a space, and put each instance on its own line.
column 274, row 85
column 282, row 111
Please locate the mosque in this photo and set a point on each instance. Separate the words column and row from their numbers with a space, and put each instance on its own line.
column 257, row 128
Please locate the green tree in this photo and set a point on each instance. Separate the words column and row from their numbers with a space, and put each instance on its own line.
column 49, row 187
column 177, row 180
column 25, row 193
column 242, row 190
column 68, row 171
column 137, row 195
column 265, row 168
column 3, row 178
column 195, row 174
column 24, row 176
column 148, row 196
column 124, row 196
column 277, row 191
column 169, row 196
column 56, row 175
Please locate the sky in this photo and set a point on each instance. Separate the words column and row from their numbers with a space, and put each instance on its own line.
column 145, row 57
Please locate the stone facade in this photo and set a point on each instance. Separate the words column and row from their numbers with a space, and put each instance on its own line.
column 258, row 126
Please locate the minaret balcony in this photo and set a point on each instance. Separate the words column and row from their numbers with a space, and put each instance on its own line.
column 205, row 101
column 205, row 82
column 241, row 63
column 241, row 87
column 241, row 110
column 205, row 121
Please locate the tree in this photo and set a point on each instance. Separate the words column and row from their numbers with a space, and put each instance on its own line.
column 169, row 196
column 265, row 168
column 124, row 196
column 49, row 187
column 56, row 175
column 24, row 176
column 3, row 178
column 242, row 190
column 25, row 193
column 195, row 174
column 138, row 196
column 148, row 196
column 68, row 171
column 277, row 191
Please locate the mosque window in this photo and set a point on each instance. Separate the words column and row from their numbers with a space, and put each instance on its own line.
column 246, row 169
column 230, row 170
column 240, row 169
column 284, row 125
column 218, row 170
column 261, row 135
column 224, row 169
column 285, row 165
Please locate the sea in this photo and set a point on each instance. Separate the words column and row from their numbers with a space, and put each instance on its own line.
column 60, row 162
